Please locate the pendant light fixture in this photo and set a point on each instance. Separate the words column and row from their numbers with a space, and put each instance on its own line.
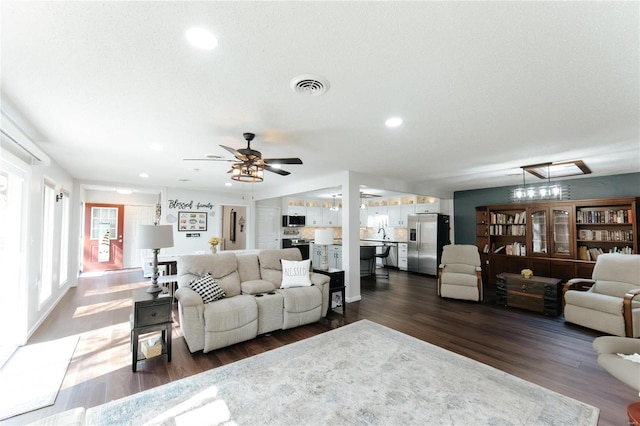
column 334, row 207
column 545, row 192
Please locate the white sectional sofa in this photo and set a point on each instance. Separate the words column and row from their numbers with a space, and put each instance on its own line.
column 254, row 302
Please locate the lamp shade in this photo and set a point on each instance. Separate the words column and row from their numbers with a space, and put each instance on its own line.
column 155, row 236
column 323, row 237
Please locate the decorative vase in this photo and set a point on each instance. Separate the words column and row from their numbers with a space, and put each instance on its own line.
column 214, row 249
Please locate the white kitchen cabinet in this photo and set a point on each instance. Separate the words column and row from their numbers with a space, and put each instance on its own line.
column 296, row 210
column 331, row 218
column 402, row 256
column 395, row 217
column 378, row 216
column 364, row 216
column 316, row 255
column 314, row 216
column 399, row 214
column 428, row 207
column 335, row 256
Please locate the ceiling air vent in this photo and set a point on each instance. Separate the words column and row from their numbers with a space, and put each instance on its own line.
column 309, row 85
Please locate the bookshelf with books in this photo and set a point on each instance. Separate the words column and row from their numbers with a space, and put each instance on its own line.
column 606, row 227
column 482, row 238
column 559, row 239
column 482, row 229
column 508, row 232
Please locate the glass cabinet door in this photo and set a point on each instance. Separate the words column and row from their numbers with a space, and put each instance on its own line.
column 562, row 238
column 539, row 232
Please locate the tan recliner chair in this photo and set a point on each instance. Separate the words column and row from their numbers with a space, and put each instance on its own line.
column 608, row 305
column 608, row 348
column 460, row 274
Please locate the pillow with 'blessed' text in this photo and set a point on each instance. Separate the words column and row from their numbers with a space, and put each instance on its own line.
column 295, row 274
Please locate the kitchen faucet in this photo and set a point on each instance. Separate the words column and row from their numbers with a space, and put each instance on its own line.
column 384, row 233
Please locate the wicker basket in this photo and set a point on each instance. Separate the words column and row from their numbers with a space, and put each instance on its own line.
column 151, row 349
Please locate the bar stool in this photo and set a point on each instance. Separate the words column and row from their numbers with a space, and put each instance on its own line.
column 384, row 255
column 367, row 260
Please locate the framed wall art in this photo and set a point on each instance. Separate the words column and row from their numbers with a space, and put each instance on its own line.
column 192, row 221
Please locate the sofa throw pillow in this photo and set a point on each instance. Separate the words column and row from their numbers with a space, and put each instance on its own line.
column 207, row 288
column 295, row 274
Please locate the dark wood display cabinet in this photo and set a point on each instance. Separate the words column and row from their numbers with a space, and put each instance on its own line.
column 559, row 239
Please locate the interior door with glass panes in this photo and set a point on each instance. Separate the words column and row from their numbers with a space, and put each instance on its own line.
column 103, row 229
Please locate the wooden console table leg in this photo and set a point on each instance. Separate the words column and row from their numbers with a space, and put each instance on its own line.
column 134, row 352
column 633, row 411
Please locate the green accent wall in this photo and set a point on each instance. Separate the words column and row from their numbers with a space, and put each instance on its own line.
column 465, row 202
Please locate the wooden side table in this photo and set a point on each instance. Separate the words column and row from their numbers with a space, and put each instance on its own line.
column 150, row 313
column 336, row 284
column 537, row 294
column 633, row 411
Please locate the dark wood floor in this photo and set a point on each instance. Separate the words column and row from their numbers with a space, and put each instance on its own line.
column 536, row 348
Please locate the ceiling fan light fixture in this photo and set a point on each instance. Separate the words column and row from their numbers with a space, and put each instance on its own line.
column 247, row 173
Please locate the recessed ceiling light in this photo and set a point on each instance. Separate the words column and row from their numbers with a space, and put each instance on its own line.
column 201, row 38
column 124, row 191
column 227, row 184
column 144, row 175
column 393, row 122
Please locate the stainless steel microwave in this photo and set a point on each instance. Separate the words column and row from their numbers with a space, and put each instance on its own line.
column 293, row 221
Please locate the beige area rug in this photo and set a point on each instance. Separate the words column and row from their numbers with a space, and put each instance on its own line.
column 363, row 373
column 32, row 377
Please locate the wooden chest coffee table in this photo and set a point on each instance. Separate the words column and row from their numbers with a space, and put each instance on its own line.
column 537, row 294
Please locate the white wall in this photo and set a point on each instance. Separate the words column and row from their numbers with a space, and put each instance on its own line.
column 178, row 200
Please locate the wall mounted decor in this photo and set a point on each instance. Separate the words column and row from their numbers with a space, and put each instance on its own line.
column 192, row 221
column 232, row 226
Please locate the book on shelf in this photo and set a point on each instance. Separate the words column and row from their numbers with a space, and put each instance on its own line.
column 583, row 253
column 499, row 249
column 594, row 253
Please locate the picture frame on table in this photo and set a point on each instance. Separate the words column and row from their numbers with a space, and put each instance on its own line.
column 192, row 221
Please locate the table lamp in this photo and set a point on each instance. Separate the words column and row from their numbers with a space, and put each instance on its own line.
column 155, row 237
column 324, row 237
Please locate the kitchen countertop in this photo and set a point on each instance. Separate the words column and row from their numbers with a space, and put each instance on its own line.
column 365, row 242
column 384, row 241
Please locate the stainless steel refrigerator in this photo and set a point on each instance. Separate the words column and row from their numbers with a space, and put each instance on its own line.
column 428, row 233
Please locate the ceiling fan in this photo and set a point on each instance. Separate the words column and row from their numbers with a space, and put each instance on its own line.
column 249, row 163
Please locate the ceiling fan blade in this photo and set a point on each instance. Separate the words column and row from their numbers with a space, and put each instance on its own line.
column 208, row 159
column 240, row 156
column 276, row 170
column 282, row 160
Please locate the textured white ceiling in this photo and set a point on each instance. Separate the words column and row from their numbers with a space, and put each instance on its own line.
column 483, row 88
